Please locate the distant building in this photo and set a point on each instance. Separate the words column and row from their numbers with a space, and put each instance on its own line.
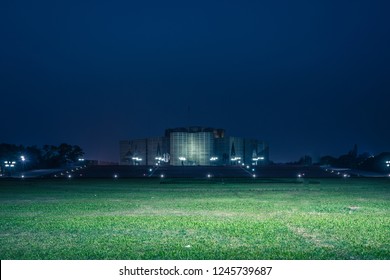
column 194, row 146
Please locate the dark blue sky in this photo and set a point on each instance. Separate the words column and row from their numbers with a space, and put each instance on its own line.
column 309, row 77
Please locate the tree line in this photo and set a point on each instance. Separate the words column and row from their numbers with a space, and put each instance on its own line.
column 353, row 160
column 363, row 161
column 47, row 156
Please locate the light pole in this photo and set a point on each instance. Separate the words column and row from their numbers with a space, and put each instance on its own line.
column 183, row 159
column 9, row 164
column 213, row 160
column 23, row 161
column 234, row 159
column 256, row 159
column 136, row 160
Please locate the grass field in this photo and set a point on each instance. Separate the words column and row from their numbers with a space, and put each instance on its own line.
column 184, row 219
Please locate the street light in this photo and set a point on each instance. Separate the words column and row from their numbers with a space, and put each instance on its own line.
column 213, row 159
column 9, row 164
column 23, row 161
column 256, row 159
column 182, row 159
column 137, row 160
column 158, row 159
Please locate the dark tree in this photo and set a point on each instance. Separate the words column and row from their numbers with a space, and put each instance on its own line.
column 48, row 156
column 328, row 160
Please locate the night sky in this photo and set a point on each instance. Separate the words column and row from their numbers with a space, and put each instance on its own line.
column 309, row 77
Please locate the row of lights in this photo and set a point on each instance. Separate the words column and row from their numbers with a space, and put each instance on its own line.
column 345, row 175
column 68, row 174
column 208, row 176
column 9, row 163
column 213, row 159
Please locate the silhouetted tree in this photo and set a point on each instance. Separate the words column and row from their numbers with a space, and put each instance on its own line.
column 305, row 160
column 46, row 157
column 328, row 160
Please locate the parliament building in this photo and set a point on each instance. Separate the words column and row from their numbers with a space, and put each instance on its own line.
column 194, row 146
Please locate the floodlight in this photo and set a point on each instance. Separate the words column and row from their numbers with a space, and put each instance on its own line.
column 258, row 158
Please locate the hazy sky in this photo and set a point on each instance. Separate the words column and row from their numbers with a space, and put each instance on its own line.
column 309, row 77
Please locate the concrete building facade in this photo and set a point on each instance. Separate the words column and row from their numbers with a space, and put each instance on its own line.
column 194, row 146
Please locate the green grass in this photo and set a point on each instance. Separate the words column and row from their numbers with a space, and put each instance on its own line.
column 189, row 219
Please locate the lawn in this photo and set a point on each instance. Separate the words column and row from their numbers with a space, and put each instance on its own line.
column 195, row 219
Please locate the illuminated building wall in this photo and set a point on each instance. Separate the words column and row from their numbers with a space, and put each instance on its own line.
column 147, row 151
column 193, row 146
column 236, row 150
column 157, row 150
column 255, row 152
column 179, row 147
column 133, row 152
column 229, row 150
